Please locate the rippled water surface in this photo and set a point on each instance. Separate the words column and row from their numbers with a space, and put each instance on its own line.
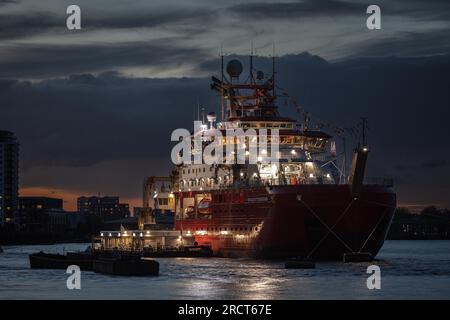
column 409, row 270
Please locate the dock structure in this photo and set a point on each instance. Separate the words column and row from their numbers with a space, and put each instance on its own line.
column 142, row 240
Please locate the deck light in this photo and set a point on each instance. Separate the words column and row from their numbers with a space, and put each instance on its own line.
column 274, row 169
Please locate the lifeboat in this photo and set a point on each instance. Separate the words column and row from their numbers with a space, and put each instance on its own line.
column 204, row 206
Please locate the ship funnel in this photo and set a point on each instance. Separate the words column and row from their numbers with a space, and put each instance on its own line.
column 356, row 176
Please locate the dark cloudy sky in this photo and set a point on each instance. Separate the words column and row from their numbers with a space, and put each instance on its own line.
column 94, row 108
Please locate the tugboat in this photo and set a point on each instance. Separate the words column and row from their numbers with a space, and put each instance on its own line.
column 302, row 205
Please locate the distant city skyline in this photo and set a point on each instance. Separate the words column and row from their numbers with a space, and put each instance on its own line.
column 93, row 109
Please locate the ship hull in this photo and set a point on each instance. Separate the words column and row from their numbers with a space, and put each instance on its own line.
column 318, row 221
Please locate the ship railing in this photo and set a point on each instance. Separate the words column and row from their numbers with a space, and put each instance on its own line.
column 137, row 249
column 379, row 181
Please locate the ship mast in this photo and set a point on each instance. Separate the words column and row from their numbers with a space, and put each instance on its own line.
column 221, row 95
column 273, row 72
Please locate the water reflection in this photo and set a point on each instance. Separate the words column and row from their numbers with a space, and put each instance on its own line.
column 415, row 269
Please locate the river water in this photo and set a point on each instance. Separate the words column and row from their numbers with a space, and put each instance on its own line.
column 409, row 270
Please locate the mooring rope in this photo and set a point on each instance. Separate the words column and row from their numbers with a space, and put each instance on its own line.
column 373, row 230
column 335, row 224
column 326, row 226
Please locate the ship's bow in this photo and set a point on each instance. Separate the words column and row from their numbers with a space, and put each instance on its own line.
column 326, row 221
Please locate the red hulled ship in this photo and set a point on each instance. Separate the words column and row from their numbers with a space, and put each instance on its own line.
column 301, row 205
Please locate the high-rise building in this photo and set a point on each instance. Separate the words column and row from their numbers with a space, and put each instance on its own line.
column 9, row 177
column 107, row 208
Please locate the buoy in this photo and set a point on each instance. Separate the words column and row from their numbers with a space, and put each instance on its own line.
column 300, row 264
column 357, row 257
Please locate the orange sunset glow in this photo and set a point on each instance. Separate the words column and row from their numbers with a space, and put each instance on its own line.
column 69, row 196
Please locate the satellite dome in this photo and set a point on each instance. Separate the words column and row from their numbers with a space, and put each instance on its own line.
column 259, row 75
column 234, row 68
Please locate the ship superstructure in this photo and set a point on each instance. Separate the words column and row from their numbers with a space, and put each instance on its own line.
column 287, row 200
